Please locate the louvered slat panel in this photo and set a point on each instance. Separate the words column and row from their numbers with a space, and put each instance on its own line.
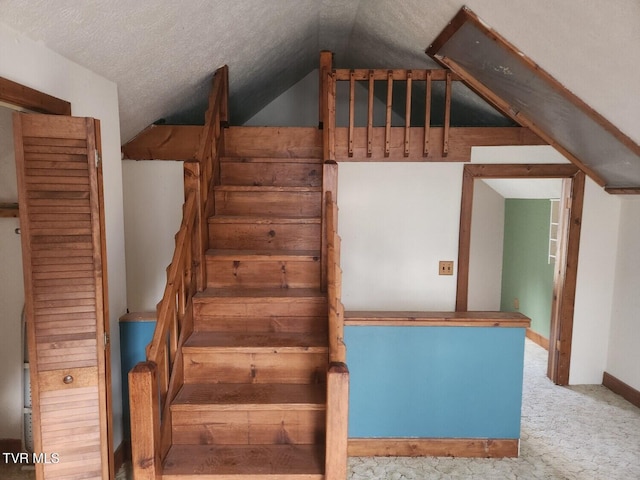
column 60, row 221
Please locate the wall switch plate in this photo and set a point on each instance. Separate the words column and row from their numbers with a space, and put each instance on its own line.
column 445, row 267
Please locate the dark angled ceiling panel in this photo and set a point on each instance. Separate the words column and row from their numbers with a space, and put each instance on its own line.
column 517, row 86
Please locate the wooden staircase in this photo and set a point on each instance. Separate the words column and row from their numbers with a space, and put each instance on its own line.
column 253, row 400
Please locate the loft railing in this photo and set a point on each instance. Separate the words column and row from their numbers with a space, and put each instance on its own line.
column 154, row 383
column 416, row 138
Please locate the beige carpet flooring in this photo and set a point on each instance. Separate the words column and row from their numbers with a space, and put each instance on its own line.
column 569, row 433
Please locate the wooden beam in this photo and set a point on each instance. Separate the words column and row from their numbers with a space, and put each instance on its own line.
column 164, row 142
column 24, row 97
column 9, row 210
column 461, row 139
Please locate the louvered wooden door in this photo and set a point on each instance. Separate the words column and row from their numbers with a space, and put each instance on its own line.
column 65, row 294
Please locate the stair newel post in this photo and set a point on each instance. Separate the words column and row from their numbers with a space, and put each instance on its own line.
column 337, row 422
column 145, row 422
column 326, row 65
column 199, row 241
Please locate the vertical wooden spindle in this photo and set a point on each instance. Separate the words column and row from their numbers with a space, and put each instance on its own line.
column 427, row 113
column 352, row 103
column 331, row 108
column 370, row 116
column 447, row 116
column 407, row 114
column 387, row 126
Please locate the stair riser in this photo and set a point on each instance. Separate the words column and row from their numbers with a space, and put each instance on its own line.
column 271, row 174
column 273, row 142
column 209, row 323
column 275, row 308
column 266, row 236
column 258, row 274
column 295, row 204
column 242, row 427
column 288, row 368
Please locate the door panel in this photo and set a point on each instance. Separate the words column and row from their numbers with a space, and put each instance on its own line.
column 62, row 245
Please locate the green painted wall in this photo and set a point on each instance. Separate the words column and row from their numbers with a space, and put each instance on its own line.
column 526, row 273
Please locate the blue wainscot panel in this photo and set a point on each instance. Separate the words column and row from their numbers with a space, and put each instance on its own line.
column 134, row 338
column 438, row 382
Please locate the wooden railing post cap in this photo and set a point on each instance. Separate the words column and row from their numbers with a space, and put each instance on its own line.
column 143, row 367
column 339, row 367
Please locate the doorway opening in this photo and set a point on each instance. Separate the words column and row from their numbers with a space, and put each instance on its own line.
column 571, row 183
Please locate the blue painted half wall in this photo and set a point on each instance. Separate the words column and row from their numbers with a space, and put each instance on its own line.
column 435, row 382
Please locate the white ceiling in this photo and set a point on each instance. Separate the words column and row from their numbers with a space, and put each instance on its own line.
column 162, row 53
column 541, row 188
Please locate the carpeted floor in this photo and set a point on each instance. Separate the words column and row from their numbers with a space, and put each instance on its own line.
column 569, row 433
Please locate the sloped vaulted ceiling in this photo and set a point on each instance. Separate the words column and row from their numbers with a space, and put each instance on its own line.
column 162, row 53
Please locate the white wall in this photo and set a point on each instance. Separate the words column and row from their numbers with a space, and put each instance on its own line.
column 11, row 291
column 485, row 253
column 153, row 198
column 594, row 287
column 397, row 220
column 624, row 353
column 34, row 65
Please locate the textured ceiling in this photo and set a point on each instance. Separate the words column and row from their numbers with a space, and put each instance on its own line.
column 162, row 53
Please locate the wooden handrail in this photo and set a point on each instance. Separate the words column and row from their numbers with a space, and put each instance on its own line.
column 155, row 382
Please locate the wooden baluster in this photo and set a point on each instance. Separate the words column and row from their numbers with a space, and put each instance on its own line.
column 407, row 115
column 447, row 116
column 145, row 421
column 387, row 126
column 370, row 115
column 352, row 103
column 427, row 113
column 331, row 106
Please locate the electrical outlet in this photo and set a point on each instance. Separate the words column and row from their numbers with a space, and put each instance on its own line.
column 516, row 303
column 445, row 267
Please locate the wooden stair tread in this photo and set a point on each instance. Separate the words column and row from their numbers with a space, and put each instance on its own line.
column 253, row 462
column 208, row 341
column 262, row 219
column 238, row 395
column 260, row 294
column 256, row 159
column 265, row 189
column 264, row 255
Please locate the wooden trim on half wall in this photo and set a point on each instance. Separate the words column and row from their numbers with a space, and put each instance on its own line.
column 567, row 265
column 434, row 447
column 616, row 385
